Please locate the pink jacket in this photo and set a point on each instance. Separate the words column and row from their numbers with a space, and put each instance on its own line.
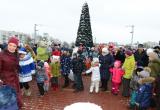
column 47, row 72
column 117, row 74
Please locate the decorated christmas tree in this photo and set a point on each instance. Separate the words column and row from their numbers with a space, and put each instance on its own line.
column 84, row 34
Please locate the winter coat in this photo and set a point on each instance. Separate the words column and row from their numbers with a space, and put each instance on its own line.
column 134, row 81
column 27, row 68
column 144, row 92
column 65, row 64
column 128, row 66
column 42, row 53
column 155, row 67
column 106, row 62
column 9, row 72
column 47, row 72
column 141, row 58
column 78, row 65
column 55, row 69
column 117, row 74
column 40, row 75
column 95, row 73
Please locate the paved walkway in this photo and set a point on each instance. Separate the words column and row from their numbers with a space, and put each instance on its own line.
column 57, row 100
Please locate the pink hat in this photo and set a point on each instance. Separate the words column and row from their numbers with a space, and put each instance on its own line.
column 14, row 40
column 117, row 63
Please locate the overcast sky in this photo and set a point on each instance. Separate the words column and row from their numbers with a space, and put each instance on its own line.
column 110, row 19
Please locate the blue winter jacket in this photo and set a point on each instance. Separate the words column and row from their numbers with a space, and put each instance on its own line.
column 65, row 64
column 144, row 94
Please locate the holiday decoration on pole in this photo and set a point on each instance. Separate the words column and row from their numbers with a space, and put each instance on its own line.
column 84, row 34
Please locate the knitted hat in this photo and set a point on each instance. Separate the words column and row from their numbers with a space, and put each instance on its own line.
column 128, row 52
column 14, row 40
column 117, row 63
column 140, row 46
column 22, row 50
column 145, row 73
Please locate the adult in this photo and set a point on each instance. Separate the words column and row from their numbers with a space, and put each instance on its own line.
column 9, row 62
column 119, row 55
column 128, row 66
column 140, row 56
column 157, row 50
column 154, row 64
column 106, row 61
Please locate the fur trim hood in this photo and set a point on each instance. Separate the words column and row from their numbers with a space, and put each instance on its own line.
column 146, row 80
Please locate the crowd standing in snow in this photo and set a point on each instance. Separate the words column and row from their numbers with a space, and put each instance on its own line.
column 138, row 72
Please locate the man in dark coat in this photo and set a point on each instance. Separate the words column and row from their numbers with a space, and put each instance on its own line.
column 141, row 56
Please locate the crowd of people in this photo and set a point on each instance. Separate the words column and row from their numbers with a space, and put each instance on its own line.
column 137, row 70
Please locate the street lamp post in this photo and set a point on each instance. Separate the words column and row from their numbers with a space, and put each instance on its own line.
column 132, row 33
column 35, row 32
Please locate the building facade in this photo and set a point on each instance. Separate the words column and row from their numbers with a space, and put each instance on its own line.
column 23, row 38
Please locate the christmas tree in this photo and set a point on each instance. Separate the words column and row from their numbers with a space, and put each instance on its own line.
column 84, row 34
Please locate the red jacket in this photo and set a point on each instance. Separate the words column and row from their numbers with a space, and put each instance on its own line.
column 117, row 74
column 9, row 72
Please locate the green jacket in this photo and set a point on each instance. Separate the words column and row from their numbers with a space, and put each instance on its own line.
column 129, row 66
column 155, row 67
column 42, row 54
column 55, row 69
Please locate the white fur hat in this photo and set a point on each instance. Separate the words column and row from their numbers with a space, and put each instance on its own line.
column 105, row 50
column 95, row 60
column 150, row 51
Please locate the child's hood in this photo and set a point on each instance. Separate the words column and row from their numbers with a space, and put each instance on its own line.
column 146, row 80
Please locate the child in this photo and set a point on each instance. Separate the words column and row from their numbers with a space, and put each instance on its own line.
column 117, row 74
column 78, row 67
column 65, row 67
column 27, row 68
column 55, row 71
column 95, row 78
column 144, row 92
column 40, row 77
column 48, row 74
column 134, row 86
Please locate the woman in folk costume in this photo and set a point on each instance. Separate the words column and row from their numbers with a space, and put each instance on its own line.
column 106, row 61
column 9, row 63
column 27, row 68
column 128, row 67
column 55, row 71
